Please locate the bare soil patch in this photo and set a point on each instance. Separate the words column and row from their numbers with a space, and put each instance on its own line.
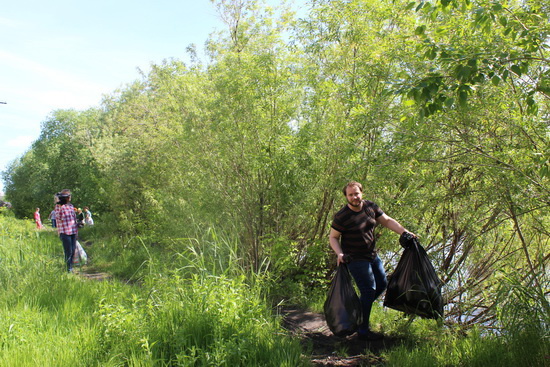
column 326, row 349
column 94, row 275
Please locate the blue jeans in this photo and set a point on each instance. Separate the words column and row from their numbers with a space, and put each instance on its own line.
column 69, row 245
column 370, row 278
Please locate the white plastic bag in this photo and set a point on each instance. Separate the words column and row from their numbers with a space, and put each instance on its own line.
column 80, row 257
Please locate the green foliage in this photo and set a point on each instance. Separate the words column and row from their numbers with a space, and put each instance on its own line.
column 299, row 272
column 202, row 308
column 59, row 159
column 257, row 142
column 524, row 309
column 458, row 39
column 214, row 321
column 5, row 211
column 44, row 312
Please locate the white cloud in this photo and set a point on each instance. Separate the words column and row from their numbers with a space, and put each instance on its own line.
column 20, row 142
column 53, row 76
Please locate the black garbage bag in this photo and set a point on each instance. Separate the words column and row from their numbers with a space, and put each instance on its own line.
column 414, row 287
column 342, row 306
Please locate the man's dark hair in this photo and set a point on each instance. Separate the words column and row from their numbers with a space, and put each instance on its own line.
column 351, row 184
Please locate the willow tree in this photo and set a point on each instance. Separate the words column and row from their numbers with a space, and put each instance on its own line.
column 352, row 51
column 470, row 172
column 478, row 148
column 207, row 144
column 145, row 148
column 246, row 135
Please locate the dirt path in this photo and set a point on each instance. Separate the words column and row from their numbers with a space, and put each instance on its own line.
column 94, row 275
column 88, row 271
column 328, row 350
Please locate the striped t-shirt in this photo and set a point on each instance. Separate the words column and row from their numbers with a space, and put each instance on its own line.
column 357, row 229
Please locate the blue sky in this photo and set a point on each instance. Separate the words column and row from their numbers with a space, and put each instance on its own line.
column 60, row 54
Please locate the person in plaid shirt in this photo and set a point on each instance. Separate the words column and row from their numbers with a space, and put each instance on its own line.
column 66, row 225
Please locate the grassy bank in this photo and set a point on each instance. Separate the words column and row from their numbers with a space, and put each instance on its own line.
column 186, row 317
column 191, row 302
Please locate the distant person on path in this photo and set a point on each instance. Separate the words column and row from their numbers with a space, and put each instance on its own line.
column 52, row 217
column 79, row 217
column 66, row 225
column 88, row 216
column 352, row 239
column 37, row 219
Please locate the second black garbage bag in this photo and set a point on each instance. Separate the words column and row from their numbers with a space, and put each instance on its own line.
column 414, row 286
column 342, row 307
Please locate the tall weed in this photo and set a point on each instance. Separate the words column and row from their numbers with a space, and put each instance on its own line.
column 524, row 315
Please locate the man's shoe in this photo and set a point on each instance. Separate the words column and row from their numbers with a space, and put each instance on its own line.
column 370, row 335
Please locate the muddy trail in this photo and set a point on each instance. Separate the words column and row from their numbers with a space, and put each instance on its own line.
column 325, row 349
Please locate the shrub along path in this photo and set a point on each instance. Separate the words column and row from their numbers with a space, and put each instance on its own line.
column 328, row 350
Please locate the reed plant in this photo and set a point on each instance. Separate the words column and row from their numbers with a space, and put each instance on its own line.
column 203, row 311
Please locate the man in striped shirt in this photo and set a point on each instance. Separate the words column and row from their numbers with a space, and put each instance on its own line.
column 66, row 225
column 352, row 239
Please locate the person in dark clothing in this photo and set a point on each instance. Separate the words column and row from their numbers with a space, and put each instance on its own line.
column 79, row 217
column 52, row 218
column 352, row 239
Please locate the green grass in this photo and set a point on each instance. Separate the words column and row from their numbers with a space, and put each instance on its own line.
column 475, row 349
column 430, row 343
column 194, row 302
column 188, row 315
